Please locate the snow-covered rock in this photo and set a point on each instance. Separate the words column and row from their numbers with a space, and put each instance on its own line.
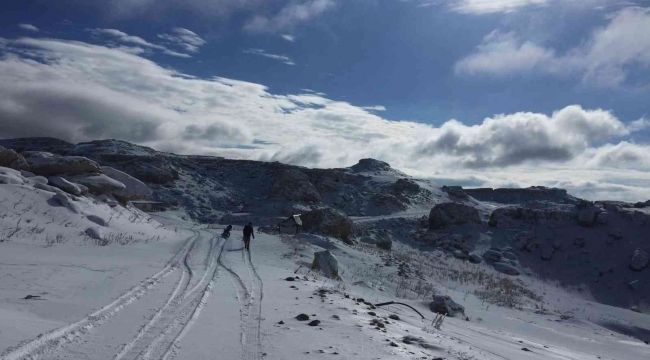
column 134, row 188
column 67, row 186
column 443, row 304
column 328, row 221
column 37, row 180
column 49, row 188
column 506, row 268
column 63, row 200
column 12, row 159
column 48, row 164
column 27, row 174
column 95, row 232
column 510, row 255
column 446, row 214
column 640, row 260
column 459, row 254
column 370, row 165
column 97, row 184
column 97, row 220
column 327, row 263
column 11, row 176
column 492, row 256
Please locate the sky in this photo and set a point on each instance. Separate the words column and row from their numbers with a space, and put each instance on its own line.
column 478, row 93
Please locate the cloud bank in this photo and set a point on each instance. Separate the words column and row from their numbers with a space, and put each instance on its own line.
column 605, row 59
column 77, row 91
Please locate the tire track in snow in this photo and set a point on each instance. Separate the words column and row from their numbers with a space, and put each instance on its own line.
column 253, row 350
column 165, row 345
column 180, row 292
column 56, row 338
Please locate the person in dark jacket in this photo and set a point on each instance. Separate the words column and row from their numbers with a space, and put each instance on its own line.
column 226, row 232
column 248, row 232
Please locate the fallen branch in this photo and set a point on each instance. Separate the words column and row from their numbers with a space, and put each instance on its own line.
column 399, row 303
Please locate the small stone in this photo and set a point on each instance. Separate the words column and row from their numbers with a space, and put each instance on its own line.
column 393, row 344
column 393, row 316
column 372, row 313
column 290, row 278
column 302, row 317
column 314, row 323
column 525, row 349
column 281, row 322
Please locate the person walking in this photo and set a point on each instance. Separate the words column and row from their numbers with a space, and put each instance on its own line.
column 248, row 232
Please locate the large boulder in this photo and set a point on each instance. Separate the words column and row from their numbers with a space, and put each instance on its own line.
column 506, row 268
column 48, row 164
column 98, row 184
column 67, row 186
column 370, row 165
column 328, row 221
column 294, row 185
column 446, row 214
column 135, row 189
column 443, row 304
column 475, row 259
column 63, row 200
column 326, row 262
column 640, row 260
column 12, row 159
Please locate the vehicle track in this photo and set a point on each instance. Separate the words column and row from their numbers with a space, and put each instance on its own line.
column 180, row 292
column 251, row 306
column 166, row 344
column 54, row 339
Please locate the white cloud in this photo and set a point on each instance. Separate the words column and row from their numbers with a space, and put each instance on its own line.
column 493, row 6
column 28, row 27
column 259, row 52
column 289, row 16
column 88, row 92
column 186, row 39
column 135, row 40
column 289, row 38
column 603, row 60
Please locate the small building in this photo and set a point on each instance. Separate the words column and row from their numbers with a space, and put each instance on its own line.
column 290, row 225
column 150, row 206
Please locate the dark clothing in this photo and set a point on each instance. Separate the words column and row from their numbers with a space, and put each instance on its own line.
column 248, row 232
column 226, row 232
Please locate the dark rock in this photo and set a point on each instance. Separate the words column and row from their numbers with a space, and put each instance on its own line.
column 443, row 304
column 13, row 160
column 393, row 317
column 302, row 317
column 640, row 260
column 314, row 323
column 328, row 221
column 370, row 165
column 290, row 278
column 475, row 259
column 447, row 214
column 492, row 256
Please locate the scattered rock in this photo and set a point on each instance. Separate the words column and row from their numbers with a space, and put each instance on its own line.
column 393, row 344
column 510, row 256
column 327, row 263
column 443, row 304
column 639, row 260
column 459, row 254
column 446, row 214
column 547, row 252
column 302, row 317
column 63, row 200
column 97, row 220
column 372, row 313
column 32, row 297
column 290, row 278
column 506, row 268
column 393, row 317
column 475, row 259
column 95, row 233
column 293, row 185
column 587, row 216
column 280, row 322
column 314, row 323
column 525, row 349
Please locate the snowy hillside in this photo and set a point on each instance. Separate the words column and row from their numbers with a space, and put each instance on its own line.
column 519, row 273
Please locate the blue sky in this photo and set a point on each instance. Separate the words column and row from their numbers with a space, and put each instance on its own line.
column 481, row 92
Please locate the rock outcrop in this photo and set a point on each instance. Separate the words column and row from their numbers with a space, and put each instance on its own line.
column 447, row 214
column 48, row 164
column 293, row 185
column 328, row 221
column 640, row 260
column 370, row 165
column 11, row 159
column 134, row 188
column 98, row 184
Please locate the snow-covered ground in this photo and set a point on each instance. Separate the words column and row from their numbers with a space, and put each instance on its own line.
column 195, row 295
